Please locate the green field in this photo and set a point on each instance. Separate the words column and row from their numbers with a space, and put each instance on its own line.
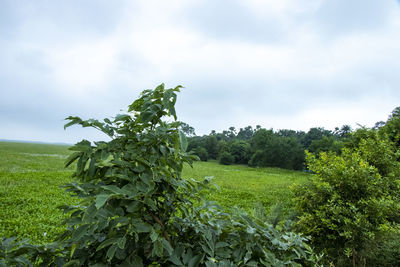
column 30, row 176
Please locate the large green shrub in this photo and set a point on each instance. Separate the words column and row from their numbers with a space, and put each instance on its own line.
column 137, row 210
column 226, row 158
column 352, row 201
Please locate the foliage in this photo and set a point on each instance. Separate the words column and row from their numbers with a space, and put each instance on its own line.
column 352, row 199
column 137, row 210
column 201, row 152
column 211, row 145
column 240, row 150
column 186, row 129
column 392, row 127
column 226, row 158
column 272, row 150
column 314, row 134
column 326, row 144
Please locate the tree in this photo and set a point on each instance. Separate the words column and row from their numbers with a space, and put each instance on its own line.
column 352, row 200
column 240, row 150
column 246, row 133
column 326, row 144
column 392, row 126
column 226, row 158
column 201, row 152
column 314, row 134
column 211, row 144
column 186, row 129
column 271, row 150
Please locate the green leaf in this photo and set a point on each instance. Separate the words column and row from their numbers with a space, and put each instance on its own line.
column 121, row 242
column 167, row 246
column 80, row 232
column 107, row 243
column 137, row 261
column 195, row 260
column 147, row 116
column 142, row 227
column 73, row 121
column 183, row 141
column 101, row 200
column 157, row 248
column 71, row 158
column 111, row 252
column 174, row 259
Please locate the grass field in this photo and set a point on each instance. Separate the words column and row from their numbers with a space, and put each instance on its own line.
column 30, row 176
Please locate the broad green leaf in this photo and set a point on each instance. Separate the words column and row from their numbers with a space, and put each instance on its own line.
column 107, row 243
column 167, row 246
column 111, row 252
column 80, row 232
column 101, row 200
column 121, row 242
column 183, row 141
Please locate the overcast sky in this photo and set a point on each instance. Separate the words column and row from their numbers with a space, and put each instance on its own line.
column 287, row 64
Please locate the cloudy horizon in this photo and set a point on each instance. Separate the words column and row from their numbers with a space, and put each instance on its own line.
column 279, row 64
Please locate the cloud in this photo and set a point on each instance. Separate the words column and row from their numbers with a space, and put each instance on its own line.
column 281, row 64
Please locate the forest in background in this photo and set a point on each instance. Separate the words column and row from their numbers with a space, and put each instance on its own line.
column 261, row 147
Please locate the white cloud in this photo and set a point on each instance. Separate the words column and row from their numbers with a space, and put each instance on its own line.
column 281, row 64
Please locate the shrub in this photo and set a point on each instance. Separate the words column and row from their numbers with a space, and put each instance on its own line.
column 226, row 158
column 352, row 199
column 201, row 152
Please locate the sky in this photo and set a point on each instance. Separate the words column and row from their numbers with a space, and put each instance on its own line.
column 288, row 64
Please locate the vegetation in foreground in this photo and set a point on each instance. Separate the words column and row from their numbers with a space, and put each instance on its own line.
column 349, row 207
column 136, row 210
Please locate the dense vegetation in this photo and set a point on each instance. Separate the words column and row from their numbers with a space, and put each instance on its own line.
column 260, row 147
column 351, row 207
column 136, row 210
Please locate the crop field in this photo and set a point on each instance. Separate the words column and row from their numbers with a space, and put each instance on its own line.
column 31, row 176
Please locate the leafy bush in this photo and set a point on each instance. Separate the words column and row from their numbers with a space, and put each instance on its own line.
column 272, row 150
column 240, row 150
column 352, row 199
column 137, row 210
column 226, row 158
column 201, row 152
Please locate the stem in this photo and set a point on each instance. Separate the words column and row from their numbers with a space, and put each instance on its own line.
column 165, row 234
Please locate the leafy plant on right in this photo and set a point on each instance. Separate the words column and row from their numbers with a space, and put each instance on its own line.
column 352, row 201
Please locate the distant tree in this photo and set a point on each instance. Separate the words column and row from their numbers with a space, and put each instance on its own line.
column 186, row 129
column 223, row 146
column 271, row 150
column 211, row 145
column 379, row 125
column 246, row 133
column 287, row 133
column 201, row 152
column 194, row 142
column 314, row 134
column 343, row 132
column 226, row 158
column 392, row 126
column 240, row 150
column 232, row 133
column 326, row 144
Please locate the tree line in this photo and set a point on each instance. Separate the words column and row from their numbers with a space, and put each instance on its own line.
column 261, row 147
